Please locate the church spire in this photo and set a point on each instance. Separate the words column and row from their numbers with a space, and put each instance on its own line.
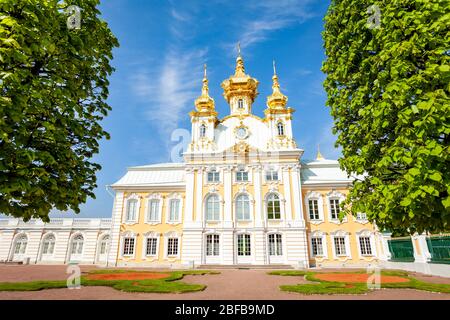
column 240, row 69
column 319, row 155
column 276, row 100
column 204, row 102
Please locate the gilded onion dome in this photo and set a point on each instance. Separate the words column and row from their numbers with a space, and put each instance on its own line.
column 276, row 100
column 204, row 103
column 240, row 84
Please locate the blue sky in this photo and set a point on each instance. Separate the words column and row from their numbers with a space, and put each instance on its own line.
column 159, row 66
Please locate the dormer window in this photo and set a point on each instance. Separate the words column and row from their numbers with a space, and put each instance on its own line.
column 240, row 104
column 202, row 131
column 280, row 127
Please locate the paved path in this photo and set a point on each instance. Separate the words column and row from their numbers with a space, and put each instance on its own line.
column 230, row 284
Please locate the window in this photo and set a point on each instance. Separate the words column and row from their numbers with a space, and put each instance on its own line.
column 240, row 104
column 242, row 207
column 335, row 209
column 152, row 244
column 317, row 247
column 174, row 210
column 275, row 245
column 128, row 246
column 48, row 246
column 244, row 248
column 273, row 207
column 153, row 210
column 172, row 247
column 212, row 208
column 280, row 128
column 271, row 175
column 361, row 216
column 212, row 245
column 132, row 209
column 213, row 176
column 77, row 245
column 339, row 246
column 241, row 175
column 21, row 244
column 364, row 244
column 202, row 131
column 313, row 209
column 104, row 245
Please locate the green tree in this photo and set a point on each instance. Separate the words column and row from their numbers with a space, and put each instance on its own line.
column 53, row 82
column 388, row 89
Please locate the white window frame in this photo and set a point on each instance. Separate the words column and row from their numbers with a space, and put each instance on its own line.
column 266, row 211
column 213, row 235
column 361, row 217
column 271, row 171
column 125, row 219
column 205, row 207
column 126, row 235
column 335, row 195
column 101, row 240
column 240, row 104
column 47, row 256
column 242, row 171
column 202, row 130
column 171, row 235
column 348, row 252
column 312, row 195
column 216, row 171
column 250, row 207
column 150, row 235
column 283, row 129
column 77, row 256
column 275, row 234
column 174, row 196
column 21, row 252
column 370, row 235
column 321, row 235
column 148, row 200
column 244, row 234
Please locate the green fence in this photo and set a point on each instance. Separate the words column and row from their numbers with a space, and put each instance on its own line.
column 401, row 249
column 439, row 247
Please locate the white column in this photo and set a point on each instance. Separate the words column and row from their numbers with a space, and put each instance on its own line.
column 258, row 197
column 190, row 183
column 199, row 196
column 287, row 193
column 6, row 244
column 115, row 229
column 298, row 211
column 228, row 187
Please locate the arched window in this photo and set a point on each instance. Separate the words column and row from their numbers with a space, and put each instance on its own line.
column 48, row 245
column 132, row 209
column 240, row 104
column 202, row 131
column 104, row 245
column 77, row 245
column 242, row 207
column 21, row 244
column 212, row 207
column 280, row 127
column 273, row 206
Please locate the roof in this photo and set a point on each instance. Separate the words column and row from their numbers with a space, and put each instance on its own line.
column 325, row 171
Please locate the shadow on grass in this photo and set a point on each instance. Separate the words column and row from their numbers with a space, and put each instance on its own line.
column 320, row 286
column 170, row 284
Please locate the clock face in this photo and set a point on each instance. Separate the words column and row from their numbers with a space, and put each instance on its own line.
column 241, row 133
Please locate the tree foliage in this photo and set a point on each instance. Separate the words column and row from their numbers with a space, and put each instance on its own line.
column 53, row 82
column 388, row 90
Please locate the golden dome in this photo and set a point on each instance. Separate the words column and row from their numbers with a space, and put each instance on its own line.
column 240, row 83
column 276, row 100
column 204, row 103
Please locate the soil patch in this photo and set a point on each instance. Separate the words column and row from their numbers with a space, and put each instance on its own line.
column 128, row 276
column 356, row 277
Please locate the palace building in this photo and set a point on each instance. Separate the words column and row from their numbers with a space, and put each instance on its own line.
column 242, row 196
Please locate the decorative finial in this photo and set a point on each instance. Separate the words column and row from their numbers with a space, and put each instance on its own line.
column 240, row 70
column 274, row 68
column 319, row 155
column 239, row 48
column 204, row 71
column 276, row 100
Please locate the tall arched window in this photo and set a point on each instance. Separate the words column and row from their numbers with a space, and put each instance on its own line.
column 48, row 245
column 273, row 206
column 77, row 245
column 104, row 245
column 21, row 244
column 202, row 131
column 132, row 209
column 212, row 207
column 280, row 127
column 242, row 207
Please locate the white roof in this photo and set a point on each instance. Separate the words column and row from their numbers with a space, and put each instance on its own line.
column 162, row 174
column 323, row 172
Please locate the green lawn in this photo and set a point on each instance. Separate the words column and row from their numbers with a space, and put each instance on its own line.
column 328, row 287
column 170, row 284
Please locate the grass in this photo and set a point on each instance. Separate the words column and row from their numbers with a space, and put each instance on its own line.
column 329, row 287
column 170, row 284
